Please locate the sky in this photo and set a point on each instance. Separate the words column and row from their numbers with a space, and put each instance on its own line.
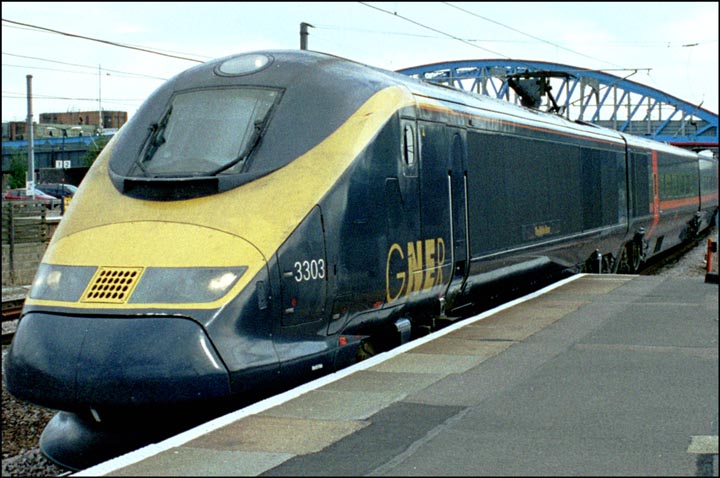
column 105, row 54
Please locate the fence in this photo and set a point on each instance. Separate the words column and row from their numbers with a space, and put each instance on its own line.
column 27, row 227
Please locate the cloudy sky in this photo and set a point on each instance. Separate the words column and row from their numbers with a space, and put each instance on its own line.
column 119, row 52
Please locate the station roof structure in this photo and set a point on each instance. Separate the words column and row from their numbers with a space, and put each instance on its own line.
column 584, row 95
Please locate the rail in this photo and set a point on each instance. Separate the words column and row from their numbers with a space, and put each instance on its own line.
column 13, row 299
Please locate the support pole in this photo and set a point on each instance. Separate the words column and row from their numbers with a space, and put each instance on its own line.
column 304, row 35
column 30, row 178
column 100, row 113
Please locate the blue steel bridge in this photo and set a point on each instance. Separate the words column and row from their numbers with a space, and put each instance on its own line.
column 583, row 95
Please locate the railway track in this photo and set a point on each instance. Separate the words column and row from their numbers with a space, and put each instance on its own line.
column 672, row 255
column 11, row 310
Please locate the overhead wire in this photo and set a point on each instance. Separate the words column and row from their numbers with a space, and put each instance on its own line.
column 502, row 55
column 344, row 28
column 93, row 67
column 14, row 95
column 107, row 42
column 395, row 14
column 464, row 10
column 468, row 42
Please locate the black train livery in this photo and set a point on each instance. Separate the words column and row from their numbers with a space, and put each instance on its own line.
column 271, row 217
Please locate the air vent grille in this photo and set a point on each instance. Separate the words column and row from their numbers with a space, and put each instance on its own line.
column 112, row 285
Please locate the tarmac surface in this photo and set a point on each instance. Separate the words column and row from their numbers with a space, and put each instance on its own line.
column 596, row 375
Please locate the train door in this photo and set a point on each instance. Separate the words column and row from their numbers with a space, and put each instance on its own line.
column 402, row 201
column 458, row 213
column 304, row 272
column 444, row 204
column 303, row 289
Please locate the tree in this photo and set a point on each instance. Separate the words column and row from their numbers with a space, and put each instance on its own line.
column 18, row 170
column 96, row 146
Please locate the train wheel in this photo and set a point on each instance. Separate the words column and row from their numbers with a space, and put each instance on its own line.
column 608, row 263
column 624, row 266
column 630, row 258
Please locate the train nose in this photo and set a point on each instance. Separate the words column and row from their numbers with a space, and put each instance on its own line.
column 97, row 330
column 72, row 363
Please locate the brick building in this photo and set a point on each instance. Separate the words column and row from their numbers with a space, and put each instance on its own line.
column 110, row 119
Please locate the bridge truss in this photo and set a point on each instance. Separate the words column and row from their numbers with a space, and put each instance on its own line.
column 583, row 95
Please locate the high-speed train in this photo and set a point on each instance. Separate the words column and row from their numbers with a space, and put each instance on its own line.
column 274, row 216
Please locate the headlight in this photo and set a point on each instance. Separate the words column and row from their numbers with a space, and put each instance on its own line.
column 181, row 285
column 64, row 283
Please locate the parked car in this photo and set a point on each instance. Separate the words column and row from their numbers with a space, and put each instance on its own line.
column 59, row 190
column 22, row 195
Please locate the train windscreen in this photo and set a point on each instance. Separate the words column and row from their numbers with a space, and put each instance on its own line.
column 206, row 132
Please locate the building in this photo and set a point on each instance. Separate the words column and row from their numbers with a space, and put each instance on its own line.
column 69, row 124
column 14, row 130
column 61, row 141
column 110, row 119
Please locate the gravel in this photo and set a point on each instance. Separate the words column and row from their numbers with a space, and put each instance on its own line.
column 691, row 264
column 23, row 423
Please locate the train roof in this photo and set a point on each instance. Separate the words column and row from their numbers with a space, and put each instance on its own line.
column 303, row 97
column 293, row 68
column 333, row 75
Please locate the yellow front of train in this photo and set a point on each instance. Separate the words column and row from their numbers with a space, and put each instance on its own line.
column 150, row 303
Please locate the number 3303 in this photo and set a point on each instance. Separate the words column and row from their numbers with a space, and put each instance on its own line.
column 309, row 270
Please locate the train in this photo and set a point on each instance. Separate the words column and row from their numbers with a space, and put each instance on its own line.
column 270, row 217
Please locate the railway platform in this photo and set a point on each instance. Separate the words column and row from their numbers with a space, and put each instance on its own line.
column 596, row 375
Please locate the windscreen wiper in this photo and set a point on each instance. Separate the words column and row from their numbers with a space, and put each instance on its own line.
column 254, row 140
column 157, row 139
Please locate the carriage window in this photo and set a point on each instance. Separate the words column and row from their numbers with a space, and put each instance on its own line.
column 408, row 145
